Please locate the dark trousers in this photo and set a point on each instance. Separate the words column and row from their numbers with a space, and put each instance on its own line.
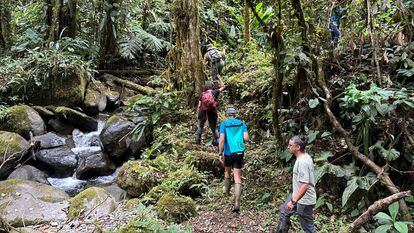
column 304, row 213
column 216, row 68
column 335, row 33
column 211, row 116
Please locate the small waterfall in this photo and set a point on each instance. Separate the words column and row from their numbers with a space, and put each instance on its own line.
column 84, row 143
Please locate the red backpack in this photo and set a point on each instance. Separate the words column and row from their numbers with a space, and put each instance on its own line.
column 207, row 100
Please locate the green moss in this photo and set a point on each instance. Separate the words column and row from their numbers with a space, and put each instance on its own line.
column 176, row 209
column 132, row 203
column 111, row 120
column 137, row 179
column 7, row 187
column 187, row 181
column 9, row 143
column 17, row 120
column 77, row 202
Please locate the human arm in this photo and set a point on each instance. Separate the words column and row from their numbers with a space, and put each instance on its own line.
column 221, row 147
column 302, row 190
column 222, row 86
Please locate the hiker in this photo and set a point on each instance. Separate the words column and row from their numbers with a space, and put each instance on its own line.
column 303, row 198
column 233, row 135
column 336, row 15
column 207, row 110
column 215, row 59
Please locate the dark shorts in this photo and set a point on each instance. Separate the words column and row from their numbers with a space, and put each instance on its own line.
column 234, row 160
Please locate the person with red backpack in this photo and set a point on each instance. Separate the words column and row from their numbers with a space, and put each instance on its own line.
column 207, row 110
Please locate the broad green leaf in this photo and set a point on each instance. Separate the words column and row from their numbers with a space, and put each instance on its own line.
column 355, row 213
column 349, row 190
column 329, row 205
column 312, row 136
column 287, row 155
column 383, row 109
column 325, row 134
column 382, row 229
column 329, row 168
column 393, row 209
column 313, row 103
column 383, row 216
column 320, row 201
column 401, row 227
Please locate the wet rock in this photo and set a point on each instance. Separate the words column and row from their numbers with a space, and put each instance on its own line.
column 137, row 179
column 176, row 209
column 114, row 136
column 50, row 140
column 93, row 163
column 27, row 172
column 25, row 203
column 23, row 119
column 44, row 113
column 113, row 99
column 92, row 203
column 205, row 162
column 77, row 119
column 13, row 150
column 116, row 192
column 60, row 127
column 95, row 102
column 61, row 160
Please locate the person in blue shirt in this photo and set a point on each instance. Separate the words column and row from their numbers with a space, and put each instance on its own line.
column 336, row 15
column 233, row 135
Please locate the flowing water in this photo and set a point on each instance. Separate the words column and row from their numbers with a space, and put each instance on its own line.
column 84, row 143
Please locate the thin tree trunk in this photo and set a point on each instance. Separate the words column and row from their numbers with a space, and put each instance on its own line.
column 5, row 18
column 55, row 19
column 382, row 176
column 371, row 30
column 108, row 32
column 188, row 61
column 374, row 209
column 146, row 5
column 246, row 16
column 69, row 13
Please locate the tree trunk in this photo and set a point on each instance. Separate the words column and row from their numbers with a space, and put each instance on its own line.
column 146, row 5
column 60, row 18
column 382, row 176
column 301, row 77
column 246, row 16
column 68, row 24
column 5, row 18
column 109, row 30
column 371, row 30
column 187, row 53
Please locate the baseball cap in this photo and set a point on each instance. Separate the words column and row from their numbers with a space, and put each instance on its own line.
column 231, row 111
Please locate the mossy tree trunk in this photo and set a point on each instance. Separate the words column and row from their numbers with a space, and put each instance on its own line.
column 61, row 19
column 246, row 16
column 187, row 53
column 5, row 18
column 371, row 31
column 108, row 30
column 301, row 86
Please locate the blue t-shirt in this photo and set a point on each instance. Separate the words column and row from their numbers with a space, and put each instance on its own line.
column 233, row 130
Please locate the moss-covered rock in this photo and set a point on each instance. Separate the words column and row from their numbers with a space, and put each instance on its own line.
column 157, row 192
column 78, row 119
column 205, row 162
column 27, row 172
column 132, row 203
column 13, row 149
column 63, row 89
column 93, row 203
column 23, row 119
column 136, row 178
column 176, row 209
column 94, row 102
column 187, row 181
column 24, row 203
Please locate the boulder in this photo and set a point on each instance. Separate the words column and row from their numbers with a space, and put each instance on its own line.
column 137, row 179
column 61, row 161
column 93, row 163
column 116, row 192
column 92, row 203
column 94, row 102
column 78, row 119
column 187, row 181
column 44, row 113
column 50, row 140
column 27, row 172
column 13, row 149
column 113, row 99
column 23, row 119
column 60, row 127
column 25, row 203
column 205, row 162
column 114, row 136
column 66, row 88
column 131, row 204
column 175, row 209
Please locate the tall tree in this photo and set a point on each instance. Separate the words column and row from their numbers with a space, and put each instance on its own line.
column 61, row 18
column 109, row 29
column 246, row 16
column 187, row 53
column 5, row 18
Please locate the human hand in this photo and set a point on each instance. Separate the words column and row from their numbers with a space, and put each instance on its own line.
column 289, row 205
column 221, row 158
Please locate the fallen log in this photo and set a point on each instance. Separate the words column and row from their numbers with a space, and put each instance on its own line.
column 376, row 207
column 133, row 72
column 129, row 84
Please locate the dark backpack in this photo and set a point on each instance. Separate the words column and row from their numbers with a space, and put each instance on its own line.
column 214, row 55
column 207, row 100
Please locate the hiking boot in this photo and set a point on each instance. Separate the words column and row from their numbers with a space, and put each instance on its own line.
column 227, row 186
column 237, row 193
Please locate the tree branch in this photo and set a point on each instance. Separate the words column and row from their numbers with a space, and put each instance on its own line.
column 375, row 208
column 261, row 22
